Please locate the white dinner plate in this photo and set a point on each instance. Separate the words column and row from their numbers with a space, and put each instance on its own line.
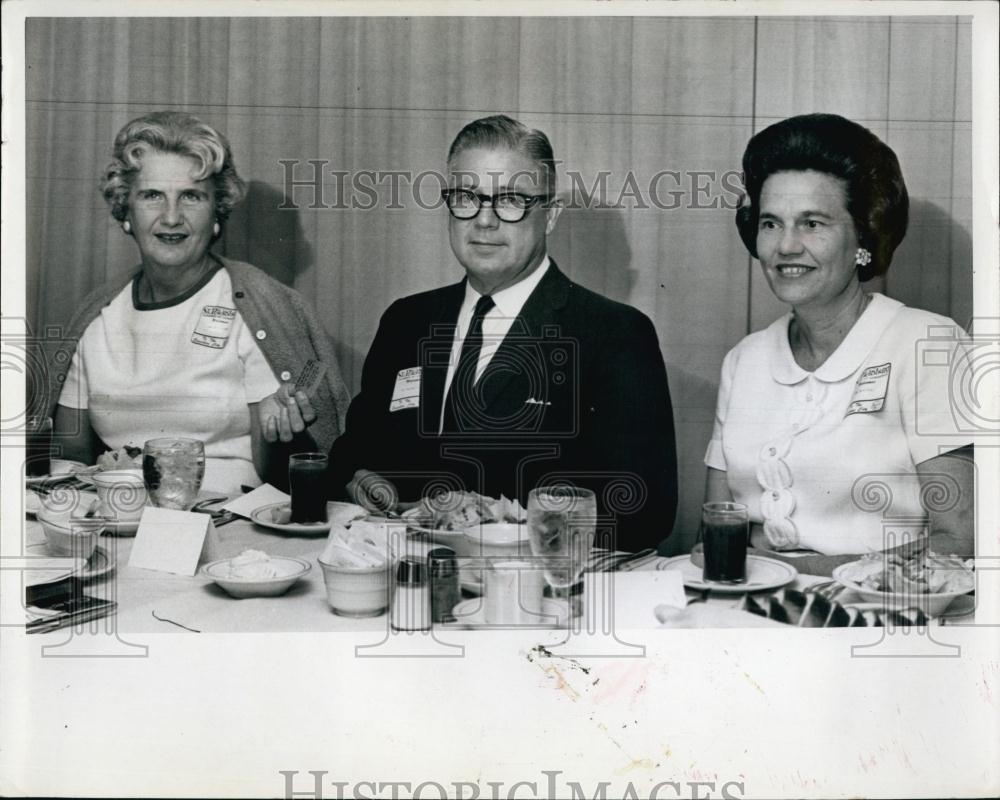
column 471, row 613
column 49, row 569
column 98, row 565
column 59, row 469
column 263, row 516
column 762, row 574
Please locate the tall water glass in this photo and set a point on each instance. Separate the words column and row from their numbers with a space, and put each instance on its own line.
column 173, row 469
column 562, row 520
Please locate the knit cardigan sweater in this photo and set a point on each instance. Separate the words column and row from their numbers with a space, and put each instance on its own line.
column 287, row 332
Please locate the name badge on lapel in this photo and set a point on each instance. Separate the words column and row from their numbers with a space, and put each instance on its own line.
column 870, row 391
column 406, row 392
column 214, row 326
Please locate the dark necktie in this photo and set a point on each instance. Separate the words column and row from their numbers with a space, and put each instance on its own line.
column 460, row 403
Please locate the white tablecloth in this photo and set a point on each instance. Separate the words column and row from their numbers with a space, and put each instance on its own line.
column 151, row 601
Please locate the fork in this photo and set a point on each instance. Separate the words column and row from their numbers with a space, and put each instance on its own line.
column 625, row 561
column 828, row 589
column 639, row 559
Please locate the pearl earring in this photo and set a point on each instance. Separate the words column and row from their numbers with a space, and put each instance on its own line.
column 216, row 228
column 127, row 227
column 863, row 257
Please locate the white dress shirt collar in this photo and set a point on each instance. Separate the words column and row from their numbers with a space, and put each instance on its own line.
column 509, row 301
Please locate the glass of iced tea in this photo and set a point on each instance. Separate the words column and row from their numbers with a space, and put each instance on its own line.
column 173, row 468
column 307, row 482
column 725, row 529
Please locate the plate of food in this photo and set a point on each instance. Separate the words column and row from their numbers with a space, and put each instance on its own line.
column 922, row 580
column 762, row 574
column 446, row 517
column 278, row 517
column 127, row 457
column 60, row 469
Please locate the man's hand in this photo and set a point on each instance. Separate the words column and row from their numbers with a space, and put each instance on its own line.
column 372, row 491
column 282, row 414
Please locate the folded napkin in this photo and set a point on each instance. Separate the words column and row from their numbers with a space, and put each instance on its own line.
column 359, row 544
column 263, row 495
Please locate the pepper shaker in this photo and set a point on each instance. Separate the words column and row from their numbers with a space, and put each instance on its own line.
column 445, row 591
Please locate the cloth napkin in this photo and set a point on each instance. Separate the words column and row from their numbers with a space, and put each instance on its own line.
column 263, row 495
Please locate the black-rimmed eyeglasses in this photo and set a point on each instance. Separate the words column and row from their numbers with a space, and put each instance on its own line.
column 465, row 204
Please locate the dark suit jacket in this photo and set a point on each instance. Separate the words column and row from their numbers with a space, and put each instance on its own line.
column 577, row 390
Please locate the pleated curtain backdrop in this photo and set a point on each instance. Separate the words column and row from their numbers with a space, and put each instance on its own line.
column 660, row 106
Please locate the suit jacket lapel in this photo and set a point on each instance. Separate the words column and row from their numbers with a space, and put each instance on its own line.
column 436, row 350
column 548, row 298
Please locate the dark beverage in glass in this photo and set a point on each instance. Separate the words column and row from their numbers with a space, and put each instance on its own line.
column 307, row 483
column 38, row 446
column 725, row 535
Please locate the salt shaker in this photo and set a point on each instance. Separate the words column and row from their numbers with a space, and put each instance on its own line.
column 445, row 591
column 411, row 604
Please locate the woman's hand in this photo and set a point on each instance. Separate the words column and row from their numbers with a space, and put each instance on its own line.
column 282, row 415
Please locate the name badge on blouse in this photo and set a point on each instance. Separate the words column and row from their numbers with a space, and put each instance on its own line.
column 870, row 391
column 406, row 392
column 214, row 326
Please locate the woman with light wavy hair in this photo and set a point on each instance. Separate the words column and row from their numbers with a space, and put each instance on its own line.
column 190, row 343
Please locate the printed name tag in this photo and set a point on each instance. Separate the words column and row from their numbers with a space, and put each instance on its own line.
column 213, row 326
column 406, row 393
column 870, row 390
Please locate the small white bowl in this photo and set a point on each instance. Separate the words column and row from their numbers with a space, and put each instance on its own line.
column 498, row 539
column 357, row 591
column 66, row 536
column 933, row 604
column 289, row 571
column 122, row 492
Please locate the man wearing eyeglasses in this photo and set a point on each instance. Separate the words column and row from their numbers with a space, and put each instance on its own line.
column 514, row 376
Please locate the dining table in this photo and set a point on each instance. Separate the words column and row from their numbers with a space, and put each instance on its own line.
column 321, row 697
column 151, row 601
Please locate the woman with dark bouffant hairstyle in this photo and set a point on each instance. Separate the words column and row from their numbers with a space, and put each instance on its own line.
column 831, row 409
column 189, row 343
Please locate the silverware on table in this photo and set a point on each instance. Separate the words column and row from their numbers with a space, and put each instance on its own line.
column 613, row 561
column 201, row 505
column 221, row 518
column 639, row 560
column 632, row 560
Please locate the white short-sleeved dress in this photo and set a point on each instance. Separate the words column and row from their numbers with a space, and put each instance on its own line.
column 826, row 460
column 188, row 367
